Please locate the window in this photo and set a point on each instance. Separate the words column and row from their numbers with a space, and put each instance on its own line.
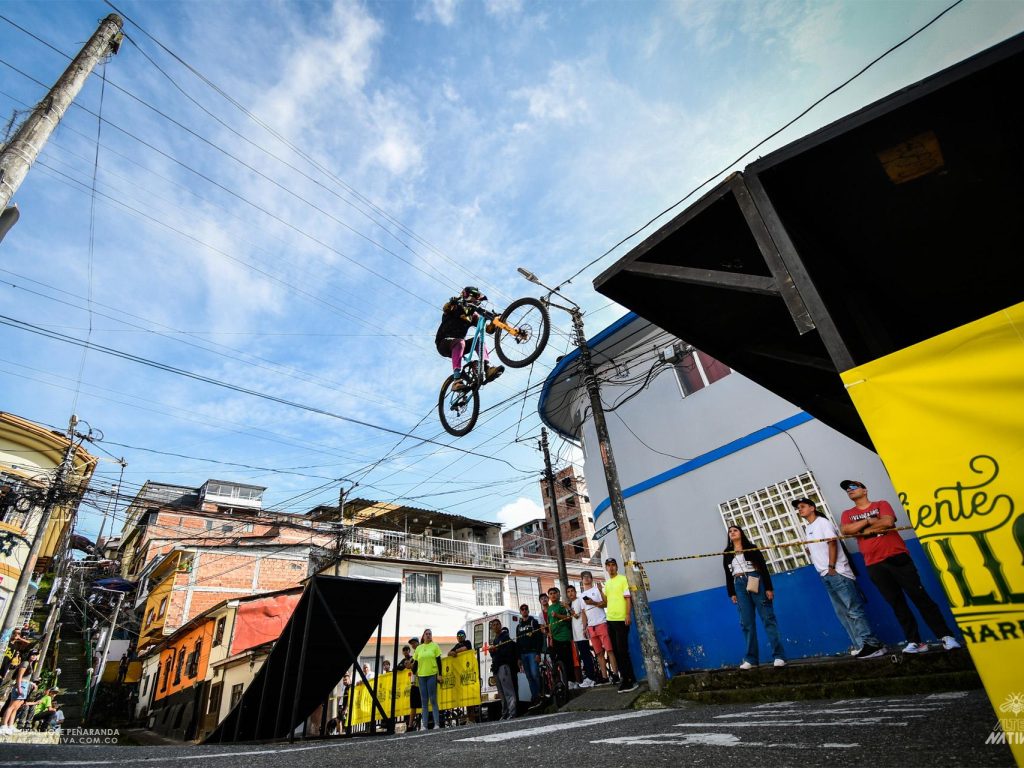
column 423, row 588
column 145, row 685
column 150, row 617
column 209, row 525
column 767, row 518
column 488, row 591
column 193, row 660
column 696, row 370
column 236, row 694
column 517, row 535
column 218, row 635
column 163, row 608
column 179, row 665
column 215, row 693
column 571, row 501
column 567, row 482
column 524, row 589
column 168, row 666
column 574, row 524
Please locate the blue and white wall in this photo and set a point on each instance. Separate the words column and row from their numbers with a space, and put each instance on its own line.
column 678, row 459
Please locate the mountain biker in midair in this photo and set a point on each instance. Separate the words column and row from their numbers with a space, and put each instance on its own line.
column 457, row 318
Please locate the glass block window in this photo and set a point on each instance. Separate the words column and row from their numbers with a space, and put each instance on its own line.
column 423, row 588
column 767, row 518
column 488, row 591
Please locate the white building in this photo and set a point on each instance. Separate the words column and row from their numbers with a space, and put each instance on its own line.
column 698, row 447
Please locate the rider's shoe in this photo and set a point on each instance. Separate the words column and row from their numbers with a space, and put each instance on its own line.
column 457, row 384
column 491, row 372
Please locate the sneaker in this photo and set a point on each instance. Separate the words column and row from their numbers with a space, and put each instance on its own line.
column 916, row 648
column 573, row 685
column 780, row 662
column 627, row 687
column 855, row 651
column 950, row 643
column 871, row 652
column 746, row 665
column 603, row 681
column 587, row 683
column 491, row 372
column 615, row 678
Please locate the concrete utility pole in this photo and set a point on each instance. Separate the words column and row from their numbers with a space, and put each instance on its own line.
column 549, row 475
column 644, row 624
column 20, row 152
column 653, row 660
column 53, row 494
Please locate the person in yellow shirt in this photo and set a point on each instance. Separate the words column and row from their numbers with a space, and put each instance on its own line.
column 618, row 605
column 428, row 670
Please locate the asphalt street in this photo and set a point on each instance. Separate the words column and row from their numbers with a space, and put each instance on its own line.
column 925, row 730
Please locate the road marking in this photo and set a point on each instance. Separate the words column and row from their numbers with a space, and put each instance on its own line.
column 547, row 729
column 781, row 723
column 681, row 739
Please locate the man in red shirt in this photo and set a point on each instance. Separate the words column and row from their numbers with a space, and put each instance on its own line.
column 890, row 567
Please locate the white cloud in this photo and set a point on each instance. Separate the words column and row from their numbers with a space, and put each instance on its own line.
column 520, row 511
column 441, row 11
column 561, row 99
column 503, row 9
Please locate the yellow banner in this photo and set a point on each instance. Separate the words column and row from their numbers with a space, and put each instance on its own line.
column 460, row 687
column 947, row 418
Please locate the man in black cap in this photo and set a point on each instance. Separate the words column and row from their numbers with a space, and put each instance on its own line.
column 461, row 644
column 890, row 567
column 830, row 561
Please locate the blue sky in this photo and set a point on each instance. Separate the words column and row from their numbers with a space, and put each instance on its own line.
column 496, row 133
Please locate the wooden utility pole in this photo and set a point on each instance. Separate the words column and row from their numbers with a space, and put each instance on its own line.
column 17, row 156
column 549, row 476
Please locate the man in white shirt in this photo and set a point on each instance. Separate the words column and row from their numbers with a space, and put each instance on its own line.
column 578, row 610
column 596, row 624
column 830, row 560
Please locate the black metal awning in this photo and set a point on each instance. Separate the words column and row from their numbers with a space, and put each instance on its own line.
column 332, row 622
column 894, row 224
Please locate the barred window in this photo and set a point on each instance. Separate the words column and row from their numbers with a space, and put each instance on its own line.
column 524, row 589
column 768, row 518
column 236, row 694
column 488, row 591
column 423, row 588
column 218, row 635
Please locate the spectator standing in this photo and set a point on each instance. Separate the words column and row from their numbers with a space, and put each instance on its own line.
column 560, row 630
column 890, row 567
column 415, row 701
column 12, row 655
column 505, row 665
column 385, row 667
column 543, row 598
column 461, row 644
column 428, row 669
column 530, row 641
column 578, row 610
column 22, row 689
column 618, row 605
column 830, row 561
column 749, row 584
column 122, row 668
column 597, row 627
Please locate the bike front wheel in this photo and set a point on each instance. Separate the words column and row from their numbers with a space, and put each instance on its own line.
column 560, row 694
column 458, row 409
column 529, row 318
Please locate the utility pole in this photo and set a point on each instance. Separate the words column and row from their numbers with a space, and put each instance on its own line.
column 53, row 494
column 21, row 151
column 653, row 660
column 549, row 475
column 342, row 492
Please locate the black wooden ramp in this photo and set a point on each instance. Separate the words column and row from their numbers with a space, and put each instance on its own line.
column 334, row 619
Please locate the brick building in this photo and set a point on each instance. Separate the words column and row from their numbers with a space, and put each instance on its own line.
column 575, row 516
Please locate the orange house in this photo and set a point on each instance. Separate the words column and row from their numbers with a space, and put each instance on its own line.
column 180, row 685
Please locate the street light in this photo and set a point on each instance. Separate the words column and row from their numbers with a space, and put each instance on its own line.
column 645, row 625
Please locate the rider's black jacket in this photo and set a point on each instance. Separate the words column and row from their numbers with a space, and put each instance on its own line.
column 455, row 323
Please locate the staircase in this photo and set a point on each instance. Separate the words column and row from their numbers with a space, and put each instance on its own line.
column 73, row 666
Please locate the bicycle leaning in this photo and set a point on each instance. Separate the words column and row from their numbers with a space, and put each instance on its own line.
column 554, row 680
column 520, row 335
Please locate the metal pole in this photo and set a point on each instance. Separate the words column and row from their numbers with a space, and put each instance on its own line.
column 653, row 660
column 302, row 667
column 549, row 475
column 376, row 671
column 103, row 655
column 17, row 602
column 21, row 151
column 394, row 660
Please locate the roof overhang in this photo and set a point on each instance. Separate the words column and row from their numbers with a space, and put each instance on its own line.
column 892, row 225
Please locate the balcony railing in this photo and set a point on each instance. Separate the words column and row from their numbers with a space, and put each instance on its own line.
column 428, row 549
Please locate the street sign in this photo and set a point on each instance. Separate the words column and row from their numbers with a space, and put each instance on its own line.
column 600, row 533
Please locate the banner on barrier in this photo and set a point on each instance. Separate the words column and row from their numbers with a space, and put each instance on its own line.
column 947, row 418
column 460, row 687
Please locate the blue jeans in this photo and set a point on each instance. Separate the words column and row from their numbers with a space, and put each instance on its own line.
column 531, row 667
column 849, row 607
column 746, row 602
column 428, row 696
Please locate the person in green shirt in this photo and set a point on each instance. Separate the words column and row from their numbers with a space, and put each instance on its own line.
column 44, row 708
column 618, row 604
column 428, row 670
column 560, row 628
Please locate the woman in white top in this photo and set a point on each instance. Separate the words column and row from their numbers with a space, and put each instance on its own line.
column 749, row 584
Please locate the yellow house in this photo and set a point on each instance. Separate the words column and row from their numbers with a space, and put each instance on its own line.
column 174, row 567
column 29, row 456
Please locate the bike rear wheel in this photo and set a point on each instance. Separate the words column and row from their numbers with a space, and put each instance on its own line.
column 533, row 327
column 458, row 410
column 560, row 683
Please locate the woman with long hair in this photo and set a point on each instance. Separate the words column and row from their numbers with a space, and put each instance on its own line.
column 750, row 588
column 428, row 670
